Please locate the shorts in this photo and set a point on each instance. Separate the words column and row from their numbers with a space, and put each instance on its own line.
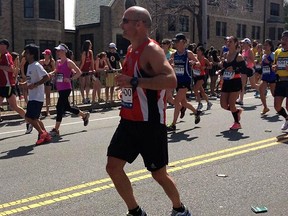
column 198, row 78
column 34, row 109
column 233, row 85
column 102, row 78
column 183, row 85
column 7, row 91
column 281, row 89
column 48, row 83
column 133, row 138
column 249, row 72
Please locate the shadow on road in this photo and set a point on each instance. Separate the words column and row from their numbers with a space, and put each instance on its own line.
column 180, row 136
column 19, row 152
column 12, row 123
column 274, row 118
column 232, row 135
column 10, row 137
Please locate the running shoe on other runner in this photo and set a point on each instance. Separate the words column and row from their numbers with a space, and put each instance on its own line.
column 285, row 125
column 197, row 116
column 140, row 212
column 54, row 132
column 29, row 128
column 86, row 118
column 182, row 112
column 185, row 213
column 42, row 138
column 200, row 106
column 171, row 127
column 209, row 105
column 239, row 102
column 264, row 111
column 235, row 126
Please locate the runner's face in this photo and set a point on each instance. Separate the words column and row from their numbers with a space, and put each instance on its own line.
column 266, row 46
column 284, row 42
column 128, row 25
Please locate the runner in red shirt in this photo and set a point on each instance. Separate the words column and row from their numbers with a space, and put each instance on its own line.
column 7, row 81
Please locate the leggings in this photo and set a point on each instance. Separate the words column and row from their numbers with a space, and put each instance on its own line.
column 63, row 105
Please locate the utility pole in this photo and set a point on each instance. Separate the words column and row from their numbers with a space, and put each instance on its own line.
column 204, row 23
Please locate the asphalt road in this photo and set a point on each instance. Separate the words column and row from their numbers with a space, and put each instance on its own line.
column 68, row 177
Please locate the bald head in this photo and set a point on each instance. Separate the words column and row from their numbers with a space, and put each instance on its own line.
column 140, row 13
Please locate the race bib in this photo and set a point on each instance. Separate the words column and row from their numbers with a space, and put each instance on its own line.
column 127, row 98
column 60, row 77
column 179, row 70
column 227, row 75
column 281, row 63
column 258, row 66
column 196, row 72
column 266, row 70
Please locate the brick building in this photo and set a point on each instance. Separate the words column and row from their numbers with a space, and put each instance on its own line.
column 99, row 21
column 27, row 21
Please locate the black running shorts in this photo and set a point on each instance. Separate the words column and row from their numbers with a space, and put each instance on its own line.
column 133, row 138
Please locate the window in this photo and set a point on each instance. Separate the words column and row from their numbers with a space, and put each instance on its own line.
column 272, row 32
column 28, row 8
column 274, row 9
column 184, row 23
column 249, row 5
column 241, row 31
column 47, row 9
column 171, row 23
column 29, row 41
column 221, row 28
column 256, row 32
column 47, row 44
column 0, row 8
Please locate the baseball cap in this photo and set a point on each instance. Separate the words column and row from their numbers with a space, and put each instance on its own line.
column 61, row 47
column 179, row 37
column 112, row 45
column 246, row 40
column 4, row 42
column 47, row 52
column 285, row 33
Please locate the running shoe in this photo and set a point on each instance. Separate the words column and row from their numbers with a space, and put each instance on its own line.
column 197, row 117
column 264, row 111
column 239, row 114
column 209, row 105
column 235, row 126
column 48, row 138
column 142, row 213
column 54, row 132
column 285, row 125
column 257, row 94
column 185, row 213
column 239, row 102
column 171, row 127
column 200, row 106
column 182, row 112
column 42, row 138
column 29, row 128
column 86, row 118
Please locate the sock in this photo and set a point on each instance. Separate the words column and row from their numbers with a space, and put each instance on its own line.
column 136, row 211
column 235, row 116
column 283, row 113
column 181, row 209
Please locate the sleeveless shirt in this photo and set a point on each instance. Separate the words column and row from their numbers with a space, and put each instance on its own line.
column 143, row 105
column 63, row 71
column 182, row 67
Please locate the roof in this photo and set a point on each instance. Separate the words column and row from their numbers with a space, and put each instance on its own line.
column 88, row 11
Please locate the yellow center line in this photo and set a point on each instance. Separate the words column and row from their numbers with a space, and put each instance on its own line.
column 135, row 179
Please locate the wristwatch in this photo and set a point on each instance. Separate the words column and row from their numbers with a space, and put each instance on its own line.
column 134, row 82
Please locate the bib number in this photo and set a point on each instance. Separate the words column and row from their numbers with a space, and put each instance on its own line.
column 60, row 77
column 196, row 72
column 228, row 75
column 127, row 98
column 258, row 66
column 179, row 70
column 266, row 70
column 282, row 63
